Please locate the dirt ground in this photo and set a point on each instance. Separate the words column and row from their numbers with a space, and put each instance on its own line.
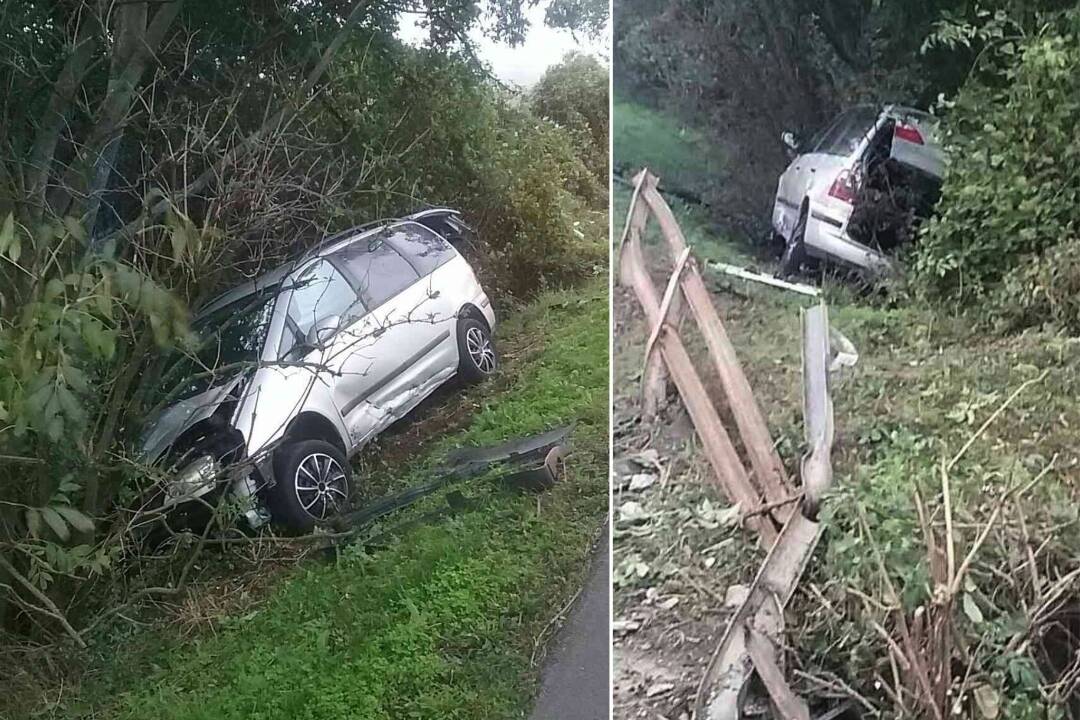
column 677, row 549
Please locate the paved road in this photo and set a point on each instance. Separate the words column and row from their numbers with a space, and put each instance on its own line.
column 574, row 682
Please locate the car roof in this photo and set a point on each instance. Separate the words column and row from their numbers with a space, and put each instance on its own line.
column 327, row 246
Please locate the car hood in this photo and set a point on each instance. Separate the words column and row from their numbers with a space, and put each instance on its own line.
column 163, row 429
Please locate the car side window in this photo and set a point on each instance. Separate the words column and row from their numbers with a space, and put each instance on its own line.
column 848, row 131
column 319, row 292
column 421, row 247
column 380, row 272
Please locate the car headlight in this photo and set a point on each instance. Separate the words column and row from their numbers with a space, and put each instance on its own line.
column 194, row 479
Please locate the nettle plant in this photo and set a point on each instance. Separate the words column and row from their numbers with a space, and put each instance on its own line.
column 68, row 319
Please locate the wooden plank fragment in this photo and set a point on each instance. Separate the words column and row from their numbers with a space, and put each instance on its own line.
column 654, row 376
column 719, row 450
column 720, row 692
column 764, row 460
column 763, row 654
column 670, row 292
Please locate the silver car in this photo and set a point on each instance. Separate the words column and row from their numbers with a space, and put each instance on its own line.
column 815, row 197
column 299, row 368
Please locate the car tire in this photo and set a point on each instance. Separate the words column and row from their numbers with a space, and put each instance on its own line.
column 313, row 484
column 477, row 358
column 795, row 250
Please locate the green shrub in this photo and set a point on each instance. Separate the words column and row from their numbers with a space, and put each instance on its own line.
column 1043, row 290
column 1011, row 189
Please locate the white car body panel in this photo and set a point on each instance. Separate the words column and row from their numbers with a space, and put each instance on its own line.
column 804, row 187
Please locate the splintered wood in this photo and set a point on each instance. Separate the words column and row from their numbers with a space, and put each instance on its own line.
column 753, row 640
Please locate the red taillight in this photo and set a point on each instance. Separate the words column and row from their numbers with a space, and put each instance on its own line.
column 843, row 187
column 908, row 133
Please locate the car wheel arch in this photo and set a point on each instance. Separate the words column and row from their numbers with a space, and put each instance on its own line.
column 468, row 310
column 310, row 425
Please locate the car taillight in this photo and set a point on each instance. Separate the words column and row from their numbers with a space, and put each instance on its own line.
column 843, row 187
column 908, row 133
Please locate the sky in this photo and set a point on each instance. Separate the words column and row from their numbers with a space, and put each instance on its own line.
column 522, row 65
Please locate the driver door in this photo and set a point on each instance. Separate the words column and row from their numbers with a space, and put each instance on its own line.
column 325, row 317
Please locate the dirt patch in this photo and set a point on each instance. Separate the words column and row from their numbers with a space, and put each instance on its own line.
column 677, row 546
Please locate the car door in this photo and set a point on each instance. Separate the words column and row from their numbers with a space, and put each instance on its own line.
column 915, row 141
column 321, row 293
column 442, row 290
column 398, row 332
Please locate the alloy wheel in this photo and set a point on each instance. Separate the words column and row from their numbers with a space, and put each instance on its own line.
column 480, row 350
column 320, row 485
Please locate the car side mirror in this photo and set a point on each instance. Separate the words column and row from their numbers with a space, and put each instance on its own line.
column 322, row 331
column 791, row 144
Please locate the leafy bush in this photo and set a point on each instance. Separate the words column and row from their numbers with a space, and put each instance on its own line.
column 1011, row 187
column 574, row 95
column 1042, row 290
column 439, row 132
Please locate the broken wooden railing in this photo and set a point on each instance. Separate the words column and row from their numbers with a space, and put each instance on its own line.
column 783, row 518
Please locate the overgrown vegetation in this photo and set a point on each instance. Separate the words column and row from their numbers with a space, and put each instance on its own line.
column 1008, row 220
column 1001, row 74
column 926, row 420
column 433, row 613
column 157, row 153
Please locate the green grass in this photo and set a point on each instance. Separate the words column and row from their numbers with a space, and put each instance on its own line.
column 682, row 156
column 438, row 623
column 685, row 162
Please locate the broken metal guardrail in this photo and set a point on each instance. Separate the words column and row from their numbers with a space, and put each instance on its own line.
column 533, row 462
column 753, row 636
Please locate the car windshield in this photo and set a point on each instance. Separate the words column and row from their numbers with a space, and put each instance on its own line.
column 227, row 337
column 847, row 131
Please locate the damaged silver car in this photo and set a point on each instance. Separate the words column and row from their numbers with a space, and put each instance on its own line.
column 296, row 370
column 867, row 151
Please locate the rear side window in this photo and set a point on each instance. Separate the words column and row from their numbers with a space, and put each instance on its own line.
column 848, row 131
column 378, row 269
column 422, row 248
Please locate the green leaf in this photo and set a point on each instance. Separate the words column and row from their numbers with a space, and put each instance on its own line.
column 7, row 233
column 56, row 522
column 988, row 701
column 75, row 518
column 75, row 228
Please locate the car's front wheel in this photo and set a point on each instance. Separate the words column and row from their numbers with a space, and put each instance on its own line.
column 477, row 359
column 312, row 484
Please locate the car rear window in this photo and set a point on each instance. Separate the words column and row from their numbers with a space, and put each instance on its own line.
column 378, row 268
column 421, row 247
column 845, row 134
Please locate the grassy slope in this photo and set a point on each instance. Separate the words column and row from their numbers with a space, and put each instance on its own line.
column 924, row 384
column 680, row 155
column 441, row 622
